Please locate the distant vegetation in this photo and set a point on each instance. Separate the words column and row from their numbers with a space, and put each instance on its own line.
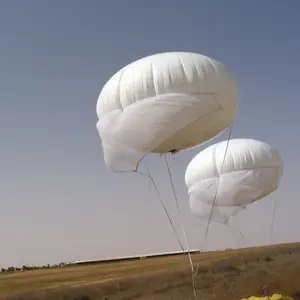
column 27, row 268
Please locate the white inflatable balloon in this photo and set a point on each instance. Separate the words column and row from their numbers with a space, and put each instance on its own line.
column 164, row 103
column 251, row 170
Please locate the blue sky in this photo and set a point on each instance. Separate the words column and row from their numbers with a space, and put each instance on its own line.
column 58, row 202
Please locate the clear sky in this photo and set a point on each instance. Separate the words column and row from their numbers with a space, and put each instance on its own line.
column 58, row 201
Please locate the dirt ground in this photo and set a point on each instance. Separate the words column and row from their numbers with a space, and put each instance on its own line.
column 221, row 275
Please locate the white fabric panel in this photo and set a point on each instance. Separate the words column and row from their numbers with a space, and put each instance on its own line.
column 130, row 134
column 219, row 215
column 164, row 73
column 236, row 188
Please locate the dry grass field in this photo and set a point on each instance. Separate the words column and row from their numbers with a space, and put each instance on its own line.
column 221, row 275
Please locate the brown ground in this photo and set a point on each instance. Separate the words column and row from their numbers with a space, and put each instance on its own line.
column 221, row 275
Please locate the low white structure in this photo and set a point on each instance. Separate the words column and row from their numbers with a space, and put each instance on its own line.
column 127, row 258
